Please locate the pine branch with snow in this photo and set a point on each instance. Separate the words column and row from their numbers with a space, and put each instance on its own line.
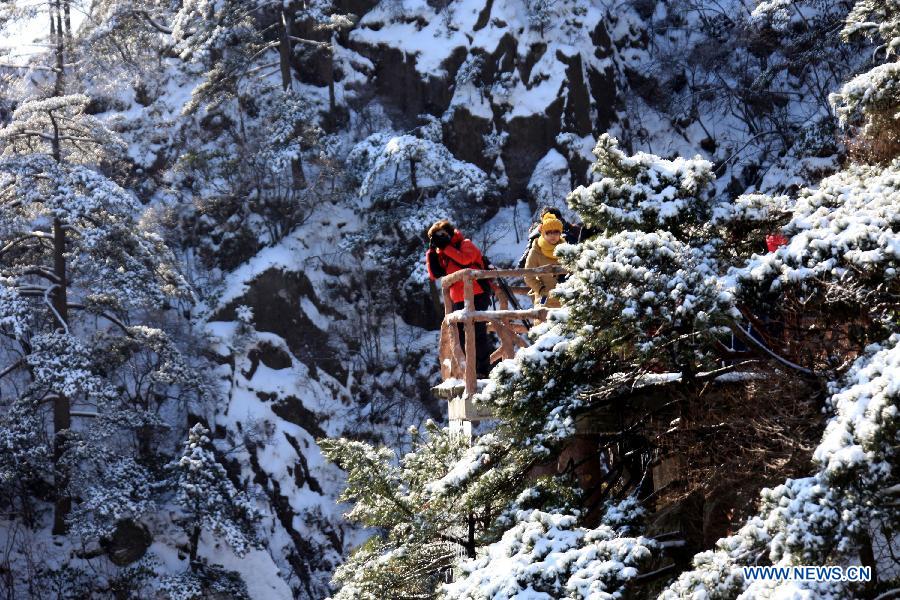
column 423, row 528
column 209, row 498
column 547, row 555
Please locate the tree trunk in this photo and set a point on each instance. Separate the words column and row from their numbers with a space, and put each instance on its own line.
column 145, row 442
column 194, row 542
column 62, row 415
column 470, row 541
column 332, row 102
column 285, row 52
column 56, row 26
column 67, row 5
column 867, row 559
column 62, row 412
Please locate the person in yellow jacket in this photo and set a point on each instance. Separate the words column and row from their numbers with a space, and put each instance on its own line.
column 543, row 253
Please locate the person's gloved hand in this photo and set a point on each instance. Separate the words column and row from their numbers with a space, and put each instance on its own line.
column 440, row 240
column 435, row 269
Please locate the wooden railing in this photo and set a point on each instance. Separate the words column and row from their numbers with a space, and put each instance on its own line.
column 509, row 325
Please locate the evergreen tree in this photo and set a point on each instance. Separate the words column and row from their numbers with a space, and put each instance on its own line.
column 257, row 171
column 423, row 532
column 841, row 261
column 228, row 40
column 547, row 554
column 72, row 255
column 209, row 498
column 426, row 163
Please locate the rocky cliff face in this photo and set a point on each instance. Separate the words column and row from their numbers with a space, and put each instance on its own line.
column 505, row 78
column 330, row 330
column 521, row 90
column 301, row 360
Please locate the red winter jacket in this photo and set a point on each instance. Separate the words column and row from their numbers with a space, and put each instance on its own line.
column 774, row 241
column 460, row 254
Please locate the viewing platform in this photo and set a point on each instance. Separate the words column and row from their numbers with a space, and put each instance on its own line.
column 508, row 322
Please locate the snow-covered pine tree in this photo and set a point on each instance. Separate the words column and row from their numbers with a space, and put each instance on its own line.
column 422, row 533
column 232, row 41
column 224, row 39
column 427, row 165
column 547, row 554
column 865, row 104
column 541, row 14
column 124, row 36
column 209, row 499
column 76, row 264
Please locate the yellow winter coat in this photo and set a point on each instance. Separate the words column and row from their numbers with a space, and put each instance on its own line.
column 542, row 284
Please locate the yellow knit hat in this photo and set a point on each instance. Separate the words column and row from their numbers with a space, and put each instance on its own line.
column 549, row 222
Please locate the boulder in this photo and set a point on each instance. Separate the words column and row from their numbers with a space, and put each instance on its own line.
column 128, row 543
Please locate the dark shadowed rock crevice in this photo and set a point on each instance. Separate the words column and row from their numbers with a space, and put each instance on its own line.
column 403, row 88
column 275, row 297
column 464, row 137
column 291, row 409
column 529, row 140
column 128, row 543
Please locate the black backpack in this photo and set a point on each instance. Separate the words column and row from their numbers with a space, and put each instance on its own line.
column 533, row 234
column 524, row 258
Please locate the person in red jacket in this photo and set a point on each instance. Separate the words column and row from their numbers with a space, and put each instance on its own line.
column 449, row 252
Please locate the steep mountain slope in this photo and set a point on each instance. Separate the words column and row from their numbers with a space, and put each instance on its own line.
column 313, row 315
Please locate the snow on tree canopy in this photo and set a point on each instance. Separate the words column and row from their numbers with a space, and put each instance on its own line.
column 434, row 165
column 849, row 226
column 120, row 490
column 752, row 208
column 651, row 282
column 63, row 363
column 862, row 438
column 203, row 27
column 82, row 138
column 415, row 526
column 49, row 152
column 282, row 110
column 212, row 501
column 776, row 12
column 875, row 19
column 128, row 264
column 547, row 556
column 871, row 92
column 14, row 309
column 547, row 408
column 643, row 191
column 651, row 287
